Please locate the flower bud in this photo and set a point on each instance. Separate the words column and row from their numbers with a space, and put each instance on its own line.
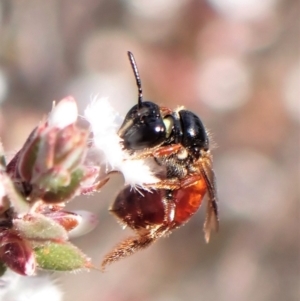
column 36, row 226
column 51, row 161
column 17, row 253
column 88, row 222
column 61, row 257
column 68, row 220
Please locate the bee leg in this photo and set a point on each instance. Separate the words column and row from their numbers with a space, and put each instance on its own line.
column 191, row 180
column 95, row 187
column 169, row 208
column 172, row 184
column 166, row 150
column 169, row 184
column 158, row 152
column 126, row 248
column 133, row 244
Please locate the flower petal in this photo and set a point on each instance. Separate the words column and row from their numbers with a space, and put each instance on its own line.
column 64, row 113
column 89, row 222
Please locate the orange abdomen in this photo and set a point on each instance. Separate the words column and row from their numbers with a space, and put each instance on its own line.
column 188, row 201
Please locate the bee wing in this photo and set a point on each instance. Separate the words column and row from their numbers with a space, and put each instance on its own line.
column 212, row 218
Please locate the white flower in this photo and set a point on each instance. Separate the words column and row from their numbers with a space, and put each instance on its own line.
column 105, row 122
column 63, row 113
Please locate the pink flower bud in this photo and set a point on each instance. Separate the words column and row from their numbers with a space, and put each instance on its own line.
column 59, row 153
column 51, row 162
column 88, row 222
column 17, row 253
column 69, row 220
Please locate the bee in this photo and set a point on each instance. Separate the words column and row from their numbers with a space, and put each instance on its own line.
column 178, row 143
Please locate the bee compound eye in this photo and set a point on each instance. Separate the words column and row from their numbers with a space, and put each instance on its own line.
column 143, row 127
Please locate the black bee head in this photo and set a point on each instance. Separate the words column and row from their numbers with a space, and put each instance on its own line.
column 143, row 127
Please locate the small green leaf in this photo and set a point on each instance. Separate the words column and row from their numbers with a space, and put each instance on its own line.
column 61, row 257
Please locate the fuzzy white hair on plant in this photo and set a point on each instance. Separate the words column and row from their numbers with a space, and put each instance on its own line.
column 105, row 122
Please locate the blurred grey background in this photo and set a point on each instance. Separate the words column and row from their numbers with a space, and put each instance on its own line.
column 236, row 63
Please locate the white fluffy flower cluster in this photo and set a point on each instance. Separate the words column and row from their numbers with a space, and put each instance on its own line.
column 105, row 122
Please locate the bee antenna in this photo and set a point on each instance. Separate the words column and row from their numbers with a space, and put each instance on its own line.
column 137, row 77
